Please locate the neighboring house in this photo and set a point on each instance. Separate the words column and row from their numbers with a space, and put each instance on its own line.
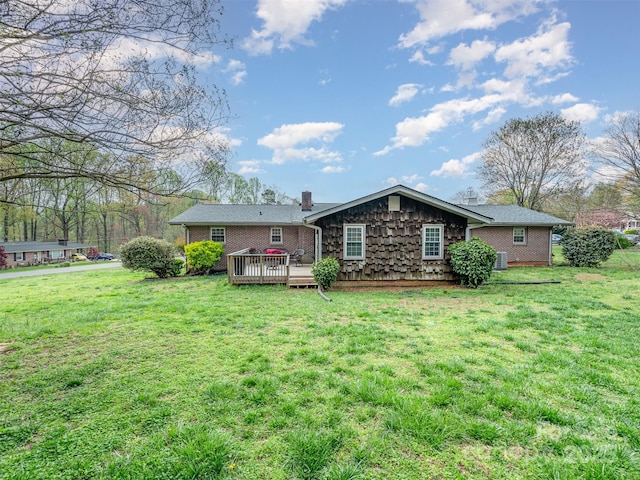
column 21, row 254
column 395, row 234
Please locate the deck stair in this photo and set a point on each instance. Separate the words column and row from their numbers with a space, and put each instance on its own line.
column 302, row 281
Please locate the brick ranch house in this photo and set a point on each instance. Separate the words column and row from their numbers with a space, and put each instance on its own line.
column 22, row 254
column 395, row 234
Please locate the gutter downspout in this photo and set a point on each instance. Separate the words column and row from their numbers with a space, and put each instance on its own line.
column 472, row 226
column 318, row 240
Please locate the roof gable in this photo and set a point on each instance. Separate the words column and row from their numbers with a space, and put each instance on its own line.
column 407, row 192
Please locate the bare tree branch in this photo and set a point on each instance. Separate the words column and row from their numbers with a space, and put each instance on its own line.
column 118, row 76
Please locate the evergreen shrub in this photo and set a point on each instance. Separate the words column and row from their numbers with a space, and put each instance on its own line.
column 150, row 255
column 325, row 272
column 202, row 256
column 472, row 261
column 587, row 247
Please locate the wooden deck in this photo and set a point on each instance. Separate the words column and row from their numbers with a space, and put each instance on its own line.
column 244, row 268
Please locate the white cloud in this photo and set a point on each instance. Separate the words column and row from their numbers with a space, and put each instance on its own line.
column 285, row 22
column 439, row 18
column 333, row 169
column 405, row 93
column 537, row 55
column 581, row 112
column 492, row 117
column 466, row 57
column 249, row 167
column 409, row 179
column 289, row 142
column 393, row 181
column 413, row 132
column 564, row 98
column 238, row 71
column 412, row 181
column 455, row 167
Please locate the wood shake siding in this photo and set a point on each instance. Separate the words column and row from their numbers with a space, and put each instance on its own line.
column 534, row 252
column 258, row 237
column 393, row 240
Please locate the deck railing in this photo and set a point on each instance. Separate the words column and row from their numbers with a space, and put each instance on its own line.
column 257, row 268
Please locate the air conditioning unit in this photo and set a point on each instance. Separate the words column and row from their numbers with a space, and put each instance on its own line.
column 501, row 261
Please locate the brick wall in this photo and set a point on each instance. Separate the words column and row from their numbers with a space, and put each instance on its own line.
column 536, row 250
column 30, row 259
column 258, row 237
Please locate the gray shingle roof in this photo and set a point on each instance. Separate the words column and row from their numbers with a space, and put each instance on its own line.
column 217, row 214
column 14, row 247
column 514, row 215
column 292, row 214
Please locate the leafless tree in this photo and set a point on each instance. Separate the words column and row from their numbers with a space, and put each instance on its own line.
column 118, row 76
column 534, row 158
column 620, row 150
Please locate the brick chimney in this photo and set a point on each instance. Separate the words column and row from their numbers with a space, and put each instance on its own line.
column 306, row 202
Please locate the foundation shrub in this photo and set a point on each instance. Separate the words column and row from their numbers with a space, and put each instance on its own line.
column 202, row 256
column 325, row 272
column 472, row 261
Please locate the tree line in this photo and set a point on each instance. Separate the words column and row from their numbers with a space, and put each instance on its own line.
column 87, row 211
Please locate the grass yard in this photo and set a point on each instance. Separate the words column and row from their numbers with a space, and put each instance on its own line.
column 105, row 375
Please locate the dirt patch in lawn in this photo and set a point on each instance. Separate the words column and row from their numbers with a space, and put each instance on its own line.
column 4, row 348
column 586, row 277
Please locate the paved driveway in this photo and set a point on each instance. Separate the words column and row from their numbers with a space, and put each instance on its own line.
column 51, row 271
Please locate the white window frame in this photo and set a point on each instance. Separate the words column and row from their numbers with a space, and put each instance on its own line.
column 274, row 234
column 363, row 237
column 522, row 235
column 56, row 254
column 19, row 256
column 224, row 234
column 440, row 230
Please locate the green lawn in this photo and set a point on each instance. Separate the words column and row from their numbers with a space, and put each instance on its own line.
column 105, row 375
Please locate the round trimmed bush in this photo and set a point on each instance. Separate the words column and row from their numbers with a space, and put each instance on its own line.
column 202, row 256
column 325, row 272
column 149, row 254
column 472, row 261
column 587, row 247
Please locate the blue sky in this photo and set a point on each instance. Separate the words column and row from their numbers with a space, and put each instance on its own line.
column 347, row 97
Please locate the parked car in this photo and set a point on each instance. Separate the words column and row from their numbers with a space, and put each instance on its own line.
column 555, row 239
column 633, row 238
column 102, row 256
column 78, row 257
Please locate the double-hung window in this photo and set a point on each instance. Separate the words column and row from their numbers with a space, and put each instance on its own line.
column 432, row 242
column 218, row 234
column 56, row 254
column 354, row 236
column 519, row 236
column 276, row 235
column 19, row 256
